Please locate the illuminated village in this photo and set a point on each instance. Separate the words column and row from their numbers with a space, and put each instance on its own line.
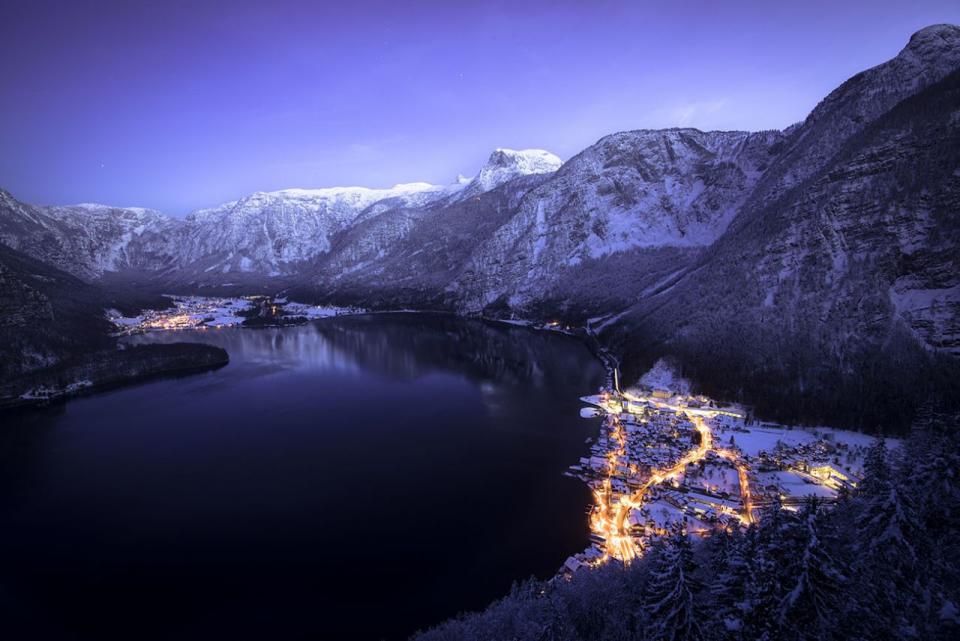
column 205, row 312
column 667, row 459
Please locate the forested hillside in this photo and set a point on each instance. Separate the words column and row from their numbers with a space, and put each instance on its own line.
column 881, row 565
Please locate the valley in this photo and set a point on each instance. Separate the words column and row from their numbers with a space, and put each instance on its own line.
column 285, row 409
column 757, row 259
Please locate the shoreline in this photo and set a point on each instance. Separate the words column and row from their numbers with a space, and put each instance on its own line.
column 106, row 370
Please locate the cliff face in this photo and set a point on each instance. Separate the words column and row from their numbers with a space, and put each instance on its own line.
column 845, row 285
column 931, row 54
column 630, row 192
column 88, row 240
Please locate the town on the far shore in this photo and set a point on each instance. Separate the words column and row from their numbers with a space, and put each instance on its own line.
column 667, row 459
column 212, row 312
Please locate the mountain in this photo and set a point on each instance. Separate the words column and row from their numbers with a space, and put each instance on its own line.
column 47, row 314
column 630, row 191
column 506, row 164
column 840, row 296
column 411, row 257
column 263, row 235
column 87, row 240
column 811, row 271
column 270, row 232
column 931, row 54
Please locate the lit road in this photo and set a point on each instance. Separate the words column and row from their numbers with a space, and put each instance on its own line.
column 609, row 517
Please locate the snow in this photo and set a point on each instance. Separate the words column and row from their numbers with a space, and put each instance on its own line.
column 188, row 312
column 756, row 440
column 313, row 312
column 365, row 194
column 929, row 312
column 117, row 318
column 607, row 321
column 506, row 164
column 44, row 392
column 793, row 484
column 664, row 377
column 191, row 312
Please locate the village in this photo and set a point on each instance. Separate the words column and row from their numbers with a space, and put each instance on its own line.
column 665, row 458
column 206, row 312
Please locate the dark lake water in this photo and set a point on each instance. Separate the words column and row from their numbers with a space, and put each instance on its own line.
column 355, row 478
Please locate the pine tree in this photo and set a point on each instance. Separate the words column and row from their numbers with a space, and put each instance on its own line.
column 889, row 536
column 773, row 551
column 876, row 470
column 889, row 529
column 931, row 478
column 669, row 598
column 809, row 609
column 731, row 574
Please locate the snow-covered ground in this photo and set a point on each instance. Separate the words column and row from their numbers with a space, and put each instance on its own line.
column 680, row 460
column 663, row 377
column 189, row 312
column 312, row 312
column 792, row 484
column 192, row 312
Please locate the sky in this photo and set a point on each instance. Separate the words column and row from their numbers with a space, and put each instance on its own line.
column 180, row 105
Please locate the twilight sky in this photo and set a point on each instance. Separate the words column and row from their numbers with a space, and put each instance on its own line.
column 177, row 105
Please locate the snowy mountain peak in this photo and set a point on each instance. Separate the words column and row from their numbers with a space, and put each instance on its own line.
column 502, row 166
column 933, row 35
column 933, row 49
column 507, row 164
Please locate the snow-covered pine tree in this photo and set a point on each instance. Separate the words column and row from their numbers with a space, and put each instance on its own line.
column 932, row 471
column 931, row 476
column 772, row 552
column 876, row 470
column 669, row 598
column 727, row 589
column 890, row 531
column 889, row 536
column 809, row 609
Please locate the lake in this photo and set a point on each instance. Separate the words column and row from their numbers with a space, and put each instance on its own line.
column 357, row 477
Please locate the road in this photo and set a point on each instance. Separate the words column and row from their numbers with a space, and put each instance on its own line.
column 610, row 514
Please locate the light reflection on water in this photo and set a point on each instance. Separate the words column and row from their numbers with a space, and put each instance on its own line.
column 407, row 465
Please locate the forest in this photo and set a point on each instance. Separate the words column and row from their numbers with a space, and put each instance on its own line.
column 880, row 564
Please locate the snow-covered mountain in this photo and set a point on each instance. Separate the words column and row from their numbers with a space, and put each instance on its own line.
column 265, row 234
column 833, row 240
column 631, row 190
column 271, row 232
column 836, row 288
column 88, row 239
column 930, row 55
column 505, row 165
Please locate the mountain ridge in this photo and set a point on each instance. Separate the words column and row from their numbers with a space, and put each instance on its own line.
column 787, row 255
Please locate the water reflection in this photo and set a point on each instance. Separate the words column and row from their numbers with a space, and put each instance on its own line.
column 404, row 347
column 405, row 465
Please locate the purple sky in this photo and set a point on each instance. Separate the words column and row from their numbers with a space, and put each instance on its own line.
column 180, row 105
